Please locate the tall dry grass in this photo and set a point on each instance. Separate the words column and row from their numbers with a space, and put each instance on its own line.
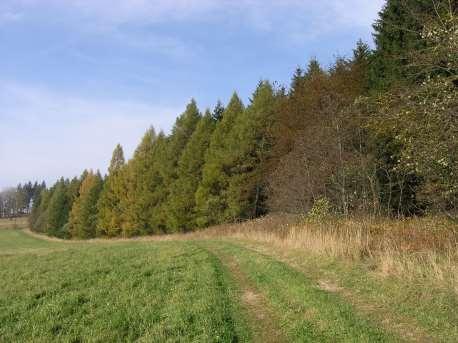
column 13, row 223
column 417, row 248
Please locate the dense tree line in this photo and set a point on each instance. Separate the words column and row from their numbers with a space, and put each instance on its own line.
column 16, row 202
column 376, row 133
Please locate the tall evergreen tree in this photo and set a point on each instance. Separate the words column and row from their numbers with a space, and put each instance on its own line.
column 58, row 210
column 73, row 189
column 83, row 216
column 360, row 66
column 182, row 131
column 251, row 142
column 160, row 185
column 109, row 205
column 211, row 196
column 397, row 33
column 218, row 111
column 40, row 204
column 140, row 180
column 41, row 213
column 182, row 211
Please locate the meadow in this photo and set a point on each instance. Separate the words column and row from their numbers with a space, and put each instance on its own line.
column 208, row 287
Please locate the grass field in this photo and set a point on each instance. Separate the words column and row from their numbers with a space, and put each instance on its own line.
column 15, row 223
column 207, row 290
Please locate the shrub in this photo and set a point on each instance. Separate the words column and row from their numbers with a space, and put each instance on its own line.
column 321, row 209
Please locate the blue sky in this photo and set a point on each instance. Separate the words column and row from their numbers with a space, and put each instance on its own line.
column 79, row 76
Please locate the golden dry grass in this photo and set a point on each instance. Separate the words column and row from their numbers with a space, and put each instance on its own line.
column 13, row 223
column 424, row 248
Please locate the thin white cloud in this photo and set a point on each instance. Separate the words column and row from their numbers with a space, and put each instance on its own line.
column 46, row 134
column 261, row 14
column 7, row 17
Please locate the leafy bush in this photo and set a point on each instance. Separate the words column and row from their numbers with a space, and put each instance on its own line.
column 321, row 209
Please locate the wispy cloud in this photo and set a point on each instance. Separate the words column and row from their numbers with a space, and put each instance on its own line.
column 260, row 14
column 47, row 134
column 9, row 17
column 142, row 48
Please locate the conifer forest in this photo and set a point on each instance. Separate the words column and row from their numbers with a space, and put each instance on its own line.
column 375, row 133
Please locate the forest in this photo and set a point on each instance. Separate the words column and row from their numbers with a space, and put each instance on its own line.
column 373, row 134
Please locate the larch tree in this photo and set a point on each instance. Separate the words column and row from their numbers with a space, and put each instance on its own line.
column 182, row 131
column 109, row 205
column 83, row 216
column 58, row 210
column 140, row 181
column 250, row 142
column 182, row 211
column 38, row 218
column 211, row 196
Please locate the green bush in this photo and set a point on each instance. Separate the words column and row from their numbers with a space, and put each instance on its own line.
column 321, row 209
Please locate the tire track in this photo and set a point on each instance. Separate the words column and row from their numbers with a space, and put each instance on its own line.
column 261, row 319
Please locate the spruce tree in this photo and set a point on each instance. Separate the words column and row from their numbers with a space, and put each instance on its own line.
column 398, row 33
column 361, row 66
column 211, row 196
column 109, row 205
column 83, row 216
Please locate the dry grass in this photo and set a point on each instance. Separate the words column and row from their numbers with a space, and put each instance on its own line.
column 415, row 248
column 425, row 248
column 13, row 223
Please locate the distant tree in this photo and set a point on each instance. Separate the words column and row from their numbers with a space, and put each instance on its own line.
column 211, row 196
column 250, row 142
column 140, row 180
column 73, row 189
column 39, row 216
column 182, row 131
column 361, row 66
column 58, row 210
column 83, row 216
column 182, row 209
column 109, row 205
column 313, row 144
column 398, row 32
column 218, row 111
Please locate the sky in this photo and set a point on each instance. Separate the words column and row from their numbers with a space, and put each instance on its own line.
column 79, row 76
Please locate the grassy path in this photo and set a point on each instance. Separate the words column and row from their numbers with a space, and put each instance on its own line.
column 415, row 311
column 306, row 312
column 262, row 321
column 201, row 291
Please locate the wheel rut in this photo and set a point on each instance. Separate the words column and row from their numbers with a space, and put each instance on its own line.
column 261, row 319
column 405, row 328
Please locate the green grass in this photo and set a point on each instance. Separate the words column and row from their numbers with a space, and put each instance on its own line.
column 412, row 308
column 170, row 291
column 194, row 291
column 307, row 313
column 13, row 242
